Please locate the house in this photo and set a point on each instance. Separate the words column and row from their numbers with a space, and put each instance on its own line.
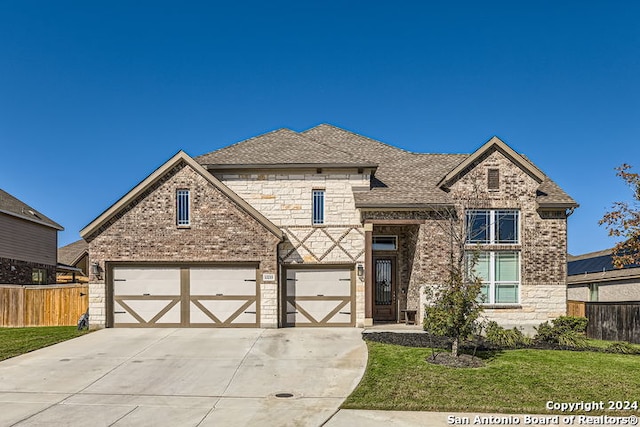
column 592, row 277
column 73, row 262
column 28, row 244
column 325, row 228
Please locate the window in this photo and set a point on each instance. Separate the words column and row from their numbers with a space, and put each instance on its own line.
column 500, row 275
column 493, row 226
column 317, row 198
column 39, row 276
column 183, row 215
column 384, row 243
column 593, row 292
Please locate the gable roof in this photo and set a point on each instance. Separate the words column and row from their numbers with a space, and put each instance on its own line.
column 181, row 156
column 402, row 179
column 12, row 206
column 282, row 147
column 494, row 144
column 71, row 253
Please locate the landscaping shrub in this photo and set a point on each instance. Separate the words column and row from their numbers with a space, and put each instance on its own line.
column 621, row 348
column 571, row 323
column 565, row 331
column 506, row 338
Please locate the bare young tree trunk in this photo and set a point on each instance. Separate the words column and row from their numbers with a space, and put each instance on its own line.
column 454, row 347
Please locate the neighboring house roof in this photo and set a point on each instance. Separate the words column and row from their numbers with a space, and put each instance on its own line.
column 181, row 156
column 597, row 267
column 401, row 179
column 12, row 206
column 73, row 252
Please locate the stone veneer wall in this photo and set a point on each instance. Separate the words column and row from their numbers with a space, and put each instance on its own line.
column 16, row 272
column 219, row 232
column 285, row 198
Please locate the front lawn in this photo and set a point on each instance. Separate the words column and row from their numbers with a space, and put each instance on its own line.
column 17, row 341
column 513, row 381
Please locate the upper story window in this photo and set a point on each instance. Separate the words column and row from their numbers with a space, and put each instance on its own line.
column 317, row 209
column 493, row 226
column 183, row 208
column 384, row 243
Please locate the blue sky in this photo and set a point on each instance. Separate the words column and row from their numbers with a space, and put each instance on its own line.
column 95, row 95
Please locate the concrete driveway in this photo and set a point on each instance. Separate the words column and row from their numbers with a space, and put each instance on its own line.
column 184, row 377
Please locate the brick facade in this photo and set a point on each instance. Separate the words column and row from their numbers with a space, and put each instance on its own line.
column 543, row 239
column 146, row 231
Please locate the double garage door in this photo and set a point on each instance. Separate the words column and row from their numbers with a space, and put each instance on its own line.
column 185, row 296
column 320, row 297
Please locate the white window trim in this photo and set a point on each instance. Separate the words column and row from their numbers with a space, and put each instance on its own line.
column 492, row 226
column 178, row 197
column 493, row 282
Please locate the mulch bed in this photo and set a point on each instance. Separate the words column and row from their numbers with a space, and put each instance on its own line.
column 424, row 340
column 462, row 361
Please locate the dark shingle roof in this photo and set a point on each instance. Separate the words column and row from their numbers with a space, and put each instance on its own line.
column 71, row 253
column 12, row 206
column 402, row 178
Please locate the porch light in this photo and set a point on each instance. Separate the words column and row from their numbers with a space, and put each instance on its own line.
column 95, row 269
column 360, row 271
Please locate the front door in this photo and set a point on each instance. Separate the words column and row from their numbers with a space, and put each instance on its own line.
column 384, row 289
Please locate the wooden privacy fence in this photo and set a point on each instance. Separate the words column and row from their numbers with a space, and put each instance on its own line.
column 613, row 321
column 576, row 308
column 52, row 305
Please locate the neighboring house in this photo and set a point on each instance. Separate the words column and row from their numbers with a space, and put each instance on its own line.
column 28, row 244
column 325, row 228
column 73, row 262
column 592, row 277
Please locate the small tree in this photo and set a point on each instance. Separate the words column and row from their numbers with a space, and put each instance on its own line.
column 454, row 307
column 624, row 221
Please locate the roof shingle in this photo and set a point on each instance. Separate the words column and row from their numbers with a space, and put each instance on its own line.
column 402, row 178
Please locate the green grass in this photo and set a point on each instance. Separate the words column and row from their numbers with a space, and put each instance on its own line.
column 513, row 381
column 17, row 341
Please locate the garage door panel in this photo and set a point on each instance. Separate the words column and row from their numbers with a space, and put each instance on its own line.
column 320, row 297
column 152, row 281
column 204, row 296
column 147, row 311
column 223, row 281
column 223, row 312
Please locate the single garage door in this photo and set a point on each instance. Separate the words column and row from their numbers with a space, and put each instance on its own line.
column 320, row 297
column 185, row 296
